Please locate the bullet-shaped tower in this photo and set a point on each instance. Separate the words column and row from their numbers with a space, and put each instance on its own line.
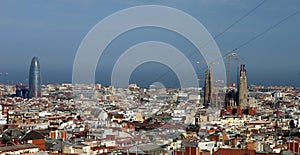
column 243, row 90
column 34, row 78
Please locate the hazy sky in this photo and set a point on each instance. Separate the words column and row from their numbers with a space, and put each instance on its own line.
column 53, row 30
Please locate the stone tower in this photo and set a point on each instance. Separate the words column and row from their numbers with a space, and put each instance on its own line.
column 207, row 87
column 243, row 90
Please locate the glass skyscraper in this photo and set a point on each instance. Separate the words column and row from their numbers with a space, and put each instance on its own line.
column 34, row 78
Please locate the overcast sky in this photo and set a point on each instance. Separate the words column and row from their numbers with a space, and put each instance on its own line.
column 53, row 30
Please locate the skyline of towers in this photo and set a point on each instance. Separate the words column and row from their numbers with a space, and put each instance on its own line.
column 34, row 78
column 238, row 97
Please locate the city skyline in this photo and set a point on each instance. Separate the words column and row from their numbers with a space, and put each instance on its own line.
column 54, row 37
column 150, row 77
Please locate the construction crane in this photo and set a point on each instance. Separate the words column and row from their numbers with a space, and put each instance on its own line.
column 217, row 92
column 238, row 63
column 229, row 54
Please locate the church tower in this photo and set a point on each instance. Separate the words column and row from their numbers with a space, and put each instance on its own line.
column 243, row 90
column 207, row 87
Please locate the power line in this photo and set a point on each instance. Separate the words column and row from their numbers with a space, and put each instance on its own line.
column 267, row 30
column 257, row 36
column 219, row 34
column 240, row 19
column 229, row 27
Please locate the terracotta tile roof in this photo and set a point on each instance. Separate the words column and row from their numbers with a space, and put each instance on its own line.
column 17, row 147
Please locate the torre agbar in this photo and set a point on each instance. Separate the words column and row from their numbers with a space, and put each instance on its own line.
column 34, row 78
